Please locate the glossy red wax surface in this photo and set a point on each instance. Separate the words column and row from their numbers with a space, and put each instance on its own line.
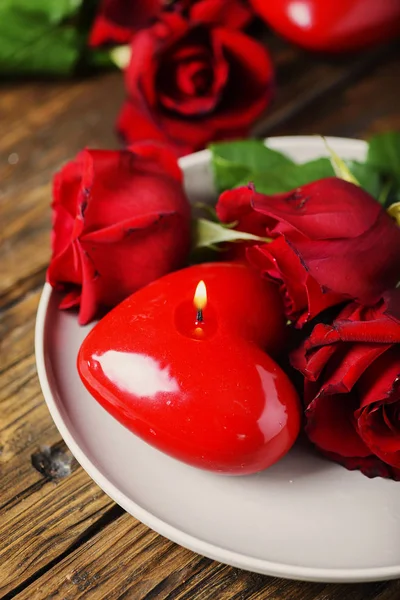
column 332, row 25
column 216, row 401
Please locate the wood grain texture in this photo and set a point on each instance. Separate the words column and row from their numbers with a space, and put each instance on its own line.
column 132, row 562
column 368, row 106
column 60, row 119
column 65, row 539
column 25, row 423
column 302, row 90
column 39, row 519
column 45, row 523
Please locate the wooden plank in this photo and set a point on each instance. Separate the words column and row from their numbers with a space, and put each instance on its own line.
column 127, row 560
column 367, row 106
column 45, row 524
column 39, row 518
column 25, row 423
column 310, row 80
column 17, row 330
column 60, row 119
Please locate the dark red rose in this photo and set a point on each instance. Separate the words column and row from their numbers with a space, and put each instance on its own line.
column 352, row 387
column 188, row 85
column 331, row 242
column 118, row 20
column 120, row 220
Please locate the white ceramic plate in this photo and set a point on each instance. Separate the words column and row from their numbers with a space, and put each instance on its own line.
column 304, row 518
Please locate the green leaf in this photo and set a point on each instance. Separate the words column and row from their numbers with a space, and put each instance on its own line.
column 55, row 11
column 385, row 192
column 289, row 177
column 32, row 40
column 207, row 234
column 233, row 162
column 97, row 59
column 238, row 163
column 384, row 154
column 45, row 37
column 368, row 177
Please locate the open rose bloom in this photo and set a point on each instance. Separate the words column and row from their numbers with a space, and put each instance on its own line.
column 190, row 83
column 352, row 387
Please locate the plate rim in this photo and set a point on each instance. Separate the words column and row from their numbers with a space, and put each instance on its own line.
column 214, row 552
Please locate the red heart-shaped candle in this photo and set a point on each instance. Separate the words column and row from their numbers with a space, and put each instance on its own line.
column 205, row 392
column 332, row 25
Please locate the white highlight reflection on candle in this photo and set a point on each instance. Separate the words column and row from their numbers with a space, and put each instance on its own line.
column 300, row 14
column 274, row 416
column 137, row 374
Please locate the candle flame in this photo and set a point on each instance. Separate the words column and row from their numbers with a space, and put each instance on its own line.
column 200, row 296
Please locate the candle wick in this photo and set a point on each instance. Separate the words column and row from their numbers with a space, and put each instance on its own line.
column 199, row 316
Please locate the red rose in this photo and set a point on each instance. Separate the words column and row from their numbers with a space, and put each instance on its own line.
column 331, row 242
column 190, row 84
column 120, row 220
column 352, row 387
column 118, row 20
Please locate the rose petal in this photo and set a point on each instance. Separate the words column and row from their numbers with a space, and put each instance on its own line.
column 392, row 304
column 330, row 424
column 136, row 124
column 348, row 365
column 66, row 266
column 114, row 194
column 303, row 297
column 149, row 252
column 140, row 76
column 336, row 264
column 236, row 205
column 371, row 466
column 160, row 159
column 90, row 301
column 327, row 209
column 122, row 229
column 380, row 391
column 66, row 185
column 311, row 363
column 191, row 77
column 250, row 86
column 117, row 20
column 233, row 14
column 71, row 299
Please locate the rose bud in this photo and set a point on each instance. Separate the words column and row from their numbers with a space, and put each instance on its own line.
column 352, row 387
column 189, row 84
column 331, row 241
column 120, row 220
column 118, row 20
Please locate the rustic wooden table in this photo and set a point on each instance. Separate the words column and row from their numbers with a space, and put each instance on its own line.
column 64, row 538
